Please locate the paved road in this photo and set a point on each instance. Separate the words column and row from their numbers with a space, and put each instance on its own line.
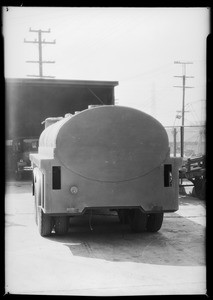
column 104, row 257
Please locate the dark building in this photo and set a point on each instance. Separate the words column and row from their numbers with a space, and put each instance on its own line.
column 30, row 101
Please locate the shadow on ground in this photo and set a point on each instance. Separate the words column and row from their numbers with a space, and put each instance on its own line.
column 180, row 241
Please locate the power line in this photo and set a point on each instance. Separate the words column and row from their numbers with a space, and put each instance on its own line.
column 148, row 72
column 195, row 116
column 39, row 41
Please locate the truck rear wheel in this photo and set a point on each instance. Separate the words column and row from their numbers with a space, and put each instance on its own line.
column 45, row 223
column 199, row 188
column 61, row 225
column 138, row 221
column 154, row 222
column 18, row 175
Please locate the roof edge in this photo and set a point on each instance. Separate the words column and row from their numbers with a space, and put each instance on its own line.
column 61, row 82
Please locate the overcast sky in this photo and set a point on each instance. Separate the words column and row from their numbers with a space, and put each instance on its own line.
column 135, row 46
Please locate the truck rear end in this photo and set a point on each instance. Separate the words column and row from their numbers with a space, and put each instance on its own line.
column 104, row 157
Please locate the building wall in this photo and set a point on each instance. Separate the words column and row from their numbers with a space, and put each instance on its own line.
column 28, row 103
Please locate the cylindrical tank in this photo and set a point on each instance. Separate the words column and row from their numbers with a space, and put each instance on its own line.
column 107, row 143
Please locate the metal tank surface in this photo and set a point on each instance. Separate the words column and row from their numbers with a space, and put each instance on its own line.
column 111, row 157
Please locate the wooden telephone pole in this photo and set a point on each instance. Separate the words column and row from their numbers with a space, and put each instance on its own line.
column 39, row 41
column 183, row 101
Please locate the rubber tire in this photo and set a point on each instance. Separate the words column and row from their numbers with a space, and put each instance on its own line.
column 193, row 192
column 45, row 223
column 61, row 225
column 154, row 222
column 199, row 187
column 18, row 176
column 138, row 221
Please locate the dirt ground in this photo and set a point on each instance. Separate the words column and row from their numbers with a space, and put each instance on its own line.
column 100, row 256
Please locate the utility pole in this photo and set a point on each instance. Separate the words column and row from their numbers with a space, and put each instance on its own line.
column 39, row 41
column 183, row 101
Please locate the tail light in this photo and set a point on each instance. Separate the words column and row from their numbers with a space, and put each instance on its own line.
column 167, row 175
column 56, row 178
